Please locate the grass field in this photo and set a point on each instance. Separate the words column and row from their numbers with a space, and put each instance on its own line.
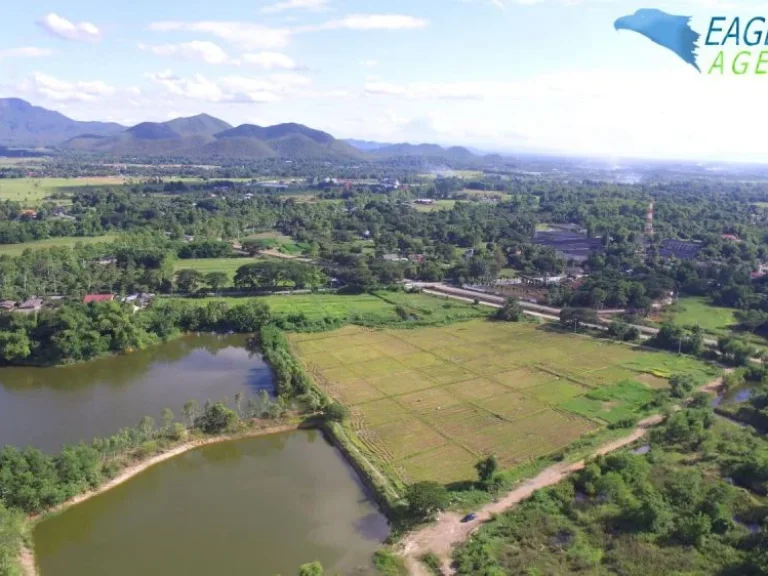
column 365, row 309
column 438, row 205
column 690, row 311
column 205, row 265
column 16, row 249
column 31, row 191
column 428, row 403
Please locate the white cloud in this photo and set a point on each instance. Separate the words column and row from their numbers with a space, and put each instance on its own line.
column 25, row 52
column 244, row 34
column 231, row 89
column 433, row 90
column 370, row 63
column 375, row 22
column 48, row 87
column 269, row 60
column 315, row 5
column 67, row 30
column 251, row 36
column 203, row 51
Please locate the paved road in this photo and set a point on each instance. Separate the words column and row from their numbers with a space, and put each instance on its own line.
column 545, row 312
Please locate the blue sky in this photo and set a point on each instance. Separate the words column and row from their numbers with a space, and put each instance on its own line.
column 508, row 75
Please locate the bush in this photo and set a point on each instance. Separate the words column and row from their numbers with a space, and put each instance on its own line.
column 216, row 418
column 336, row 412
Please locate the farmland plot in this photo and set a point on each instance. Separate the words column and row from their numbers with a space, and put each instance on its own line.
column 430, row 402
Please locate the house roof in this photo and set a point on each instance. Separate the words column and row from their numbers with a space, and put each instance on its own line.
column 98, row 298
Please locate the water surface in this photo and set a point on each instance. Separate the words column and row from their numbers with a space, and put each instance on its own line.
column 50, row 407
column 256, row 507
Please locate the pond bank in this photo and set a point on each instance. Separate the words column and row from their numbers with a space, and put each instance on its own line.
column 26, row 557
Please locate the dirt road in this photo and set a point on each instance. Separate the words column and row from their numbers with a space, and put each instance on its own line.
column 448, row 531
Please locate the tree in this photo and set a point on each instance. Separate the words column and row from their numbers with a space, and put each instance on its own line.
column 216, row 418
column 426, row 498
column 215, row 280
column 189, row 280
column 510, row 312
column 573, row 318
column 682, row 385
column 336, row 412
column 191, row 410
column 168, row 418
column 311, row 569
column 486, row 469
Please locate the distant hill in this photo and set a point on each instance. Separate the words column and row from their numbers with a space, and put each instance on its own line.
column 365, row 145
column 455, row 153
column 22, row 124
column 207, row 137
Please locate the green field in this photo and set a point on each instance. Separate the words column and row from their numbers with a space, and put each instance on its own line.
column 438, row 205
column 16, row 249
column 205, row 265
column 365, row 309
column 31, row 191
column 428, row 403
column 690, row 311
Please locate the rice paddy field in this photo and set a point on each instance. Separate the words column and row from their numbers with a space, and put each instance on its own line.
column 17, row 249
column 428, row 403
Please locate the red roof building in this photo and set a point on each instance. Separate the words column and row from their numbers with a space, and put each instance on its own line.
column 98, row 298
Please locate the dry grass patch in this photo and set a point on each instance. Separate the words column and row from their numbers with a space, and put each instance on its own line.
column 377, row 367
column 339, row 375
column 522, row 378
column 448, row 373
column 449, row 463
column 512, row 405
column 320, row 361
column 556, row 391
column 356, row 354
column 477, row 389
column 380, row 412
column 403, row 383
column 407, row 437
column 421, row 360
column 356, row 392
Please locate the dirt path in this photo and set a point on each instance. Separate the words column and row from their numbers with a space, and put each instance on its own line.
column 448, row 531
column 27, row 557
column 27, row 562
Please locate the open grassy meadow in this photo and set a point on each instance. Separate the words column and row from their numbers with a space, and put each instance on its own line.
column 690, row 311
column 31, row 191
column 428, row 403
column 205, row 265
column 380, row 308
column 438, row 205
column 16, row 249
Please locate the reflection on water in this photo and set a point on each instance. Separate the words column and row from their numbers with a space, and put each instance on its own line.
column 251, row 507
column 734, row 396
column 49, row 407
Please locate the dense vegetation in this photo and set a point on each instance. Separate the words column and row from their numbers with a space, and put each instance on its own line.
column 693, row 504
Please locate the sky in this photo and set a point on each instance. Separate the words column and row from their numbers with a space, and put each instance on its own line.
column 499, row 75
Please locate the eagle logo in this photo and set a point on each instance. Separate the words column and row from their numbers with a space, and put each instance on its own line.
column 672, row 32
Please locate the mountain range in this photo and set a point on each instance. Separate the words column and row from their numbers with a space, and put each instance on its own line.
column 201, row 136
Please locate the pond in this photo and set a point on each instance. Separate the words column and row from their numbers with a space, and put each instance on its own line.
column 261, row 506
column 50, row 407
column 734, row 396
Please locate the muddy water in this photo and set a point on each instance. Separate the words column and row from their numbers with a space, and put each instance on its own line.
column 49, row 407
column 256, row 507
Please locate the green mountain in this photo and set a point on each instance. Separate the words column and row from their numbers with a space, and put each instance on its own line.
column 207, row 137
column 22, row 124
